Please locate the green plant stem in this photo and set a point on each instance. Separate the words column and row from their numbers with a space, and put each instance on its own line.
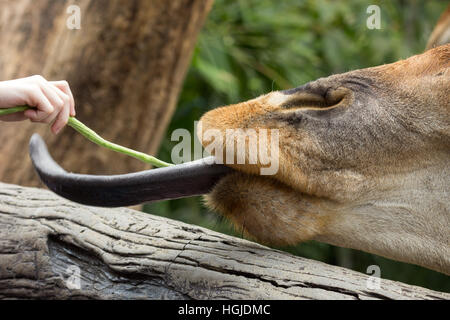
column 4, row 112
column 94, row 137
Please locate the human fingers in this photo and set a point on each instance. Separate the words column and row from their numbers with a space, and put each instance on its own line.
column 63, row 85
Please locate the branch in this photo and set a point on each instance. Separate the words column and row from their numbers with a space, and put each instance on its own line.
column 126, row 254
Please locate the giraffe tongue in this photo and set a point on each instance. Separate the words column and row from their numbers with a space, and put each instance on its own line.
column 179, row 181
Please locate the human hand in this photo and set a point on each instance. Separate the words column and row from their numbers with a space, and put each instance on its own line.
column 53, row 100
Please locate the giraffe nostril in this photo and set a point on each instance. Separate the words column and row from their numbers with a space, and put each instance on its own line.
column 330, row 99
column 305, row 101
column 337, row 97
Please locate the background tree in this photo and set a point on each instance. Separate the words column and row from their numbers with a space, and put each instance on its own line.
column 125, row 66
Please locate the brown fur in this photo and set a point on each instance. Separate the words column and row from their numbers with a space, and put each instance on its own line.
column 364, row 158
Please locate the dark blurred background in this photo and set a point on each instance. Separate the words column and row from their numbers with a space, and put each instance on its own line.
column 248, row 48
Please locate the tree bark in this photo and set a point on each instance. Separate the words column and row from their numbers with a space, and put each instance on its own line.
column 125, row 66
column 127, row 254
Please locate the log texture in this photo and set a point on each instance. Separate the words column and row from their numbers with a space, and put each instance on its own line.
column 126, row 66
column 127, row 254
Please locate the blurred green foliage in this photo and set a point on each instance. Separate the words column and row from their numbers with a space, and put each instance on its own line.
column 251, row 47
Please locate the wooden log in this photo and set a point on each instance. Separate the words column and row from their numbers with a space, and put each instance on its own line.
column 127, row 254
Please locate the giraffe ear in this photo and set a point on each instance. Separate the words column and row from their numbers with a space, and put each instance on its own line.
column 179, row 181
column 441, row 32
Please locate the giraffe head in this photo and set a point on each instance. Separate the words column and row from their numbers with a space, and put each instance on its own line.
column 363, row 161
